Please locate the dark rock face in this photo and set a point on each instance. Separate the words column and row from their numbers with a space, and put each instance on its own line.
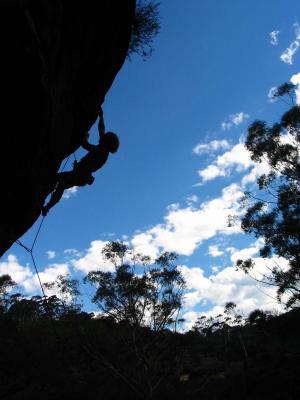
column 58, row 60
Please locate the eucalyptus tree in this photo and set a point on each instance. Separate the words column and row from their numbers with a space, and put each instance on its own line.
column 273, row 213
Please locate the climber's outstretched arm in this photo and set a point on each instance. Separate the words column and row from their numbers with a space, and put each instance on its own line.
column 86, row 145
column 101, row 126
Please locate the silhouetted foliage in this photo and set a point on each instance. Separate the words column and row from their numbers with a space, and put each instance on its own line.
column 274, row 213
column 68, row 292
column 75, row 355
column 258, row 317
column 6, row 283
column 149, row 298
column 145, row 27
column 285, row 88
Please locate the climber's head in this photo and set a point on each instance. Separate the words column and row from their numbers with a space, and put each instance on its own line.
column 111, row 141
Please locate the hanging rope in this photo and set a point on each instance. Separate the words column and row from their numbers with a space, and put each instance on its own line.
column 37, row 233
column 30, row 249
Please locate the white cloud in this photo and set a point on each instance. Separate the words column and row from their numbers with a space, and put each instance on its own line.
column 24, row 276
column 238, row 157
column 234, row 119
column 230, row 284
column 274, row 38
column 93, row 259
column 214, row 145
column 72, row 253
column 234, row 285
column 185, row 229
column 192, row 199
column 144, row 243
column 70, row 192
column 214, row 251
column 190, row 318
column 48, row 275
column 50, row 254
column 295, row 79
column 247, row 252
column 12, row 267
column 258, row 170
column 211, row 172
column 230, row 249
column 288, row 54
column 215, row 268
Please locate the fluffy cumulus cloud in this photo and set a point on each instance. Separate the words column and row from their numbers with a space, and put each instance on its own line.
column 289, row 52
column 192, row 199
column 70, row 192
column 49, row 274
column 247, row 252
column 230, row 284
column 234, row 120
column 257, row 170
column 50, row 254
column 274, row 38
column 24, row 276
column 214, row 251
column 238, row 158
column 295, row 79
column 93, row 259
column 214, row 145
column 18, row 272
column 211, row 172
column 184, row 229
column 71, row 253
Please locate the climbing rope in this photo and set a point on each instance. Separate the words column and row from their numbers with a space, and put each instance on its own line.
column 30, row 249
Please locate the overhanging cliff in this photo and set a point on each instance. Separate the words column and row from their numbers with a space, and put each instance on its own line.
column 58, row 60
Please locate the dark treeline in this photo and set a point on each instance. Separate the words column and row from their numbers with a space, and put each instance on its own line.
column 51, row 348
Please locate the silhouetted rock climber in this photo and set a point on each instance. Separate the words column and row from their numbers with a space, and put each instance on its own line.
column 81, row 174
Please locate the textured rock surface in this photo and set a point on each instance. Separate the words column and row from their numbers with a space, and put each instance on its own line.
column 58, row 60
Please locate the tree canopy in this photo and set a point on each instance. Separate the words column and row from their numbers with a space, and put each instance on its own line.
column 136, row 293
column 146, row 26
column 274, row 212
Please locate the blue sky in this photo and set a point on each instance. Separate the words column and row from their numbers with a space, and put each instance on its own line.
column 181, row 117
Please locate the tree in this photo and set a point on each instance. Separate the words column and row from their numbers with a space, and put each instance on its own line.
column 274, row 213
column 67, row 290
column 258, row 317
column 145, row 27
column 6, row 283
column 144, row 299
column 151, row 298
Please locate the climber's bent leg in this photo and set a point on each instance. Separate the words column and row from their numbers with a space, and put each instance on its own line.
column 55, row 197
column 65, row 181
